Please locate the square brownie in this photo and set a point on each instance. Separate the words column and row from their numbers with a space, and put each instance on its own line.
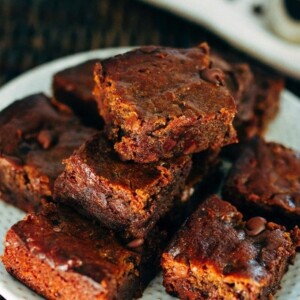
column 216, row 255
column 256, row 93
column 34, row 138
column 266, row 178
column 125, row 196
column 59, row 254
column 160, row 102
column 74, row 87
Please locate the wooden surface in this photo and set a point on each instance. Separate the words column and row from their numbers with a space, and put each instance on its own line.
column 36, row 31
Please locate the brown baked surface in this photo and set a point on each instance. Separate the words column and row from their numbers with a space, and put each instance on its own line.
column 216, row 255
column 203, row 180
column 268, row 87
column 62, row 255
column 161, row 102
column 34, row 138
column 74, row 87
column 266, row 177
column 256, row 93
column 126, row 196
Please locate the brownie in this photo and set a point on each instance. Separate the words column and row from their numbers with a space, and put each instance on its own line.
column 238, row 76
column 256, row 93
column 268, row 87
column 266, row 177
column 125, row 196
column 203, row 180
column 59, row 254
column 204, row 177
column 217, row 255
column 160, row 102
column 34, row 138
column 74, row 88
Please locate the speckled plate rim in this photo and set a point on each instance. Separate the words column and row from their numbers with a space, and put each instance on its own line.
column 285, row 129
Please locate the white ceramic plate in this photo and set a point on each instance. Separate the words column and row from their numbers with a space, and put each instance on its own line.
column 285, row 129
column 235, row 22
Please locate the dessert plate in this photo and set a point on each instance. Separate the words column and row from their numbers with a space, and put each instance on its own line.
column 285, row 129
column 236, row 22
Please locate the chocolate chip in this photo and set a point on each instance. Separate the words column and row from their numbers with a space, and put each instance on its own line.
column 284, row 200
column 213, row 75
column 46, row 138
column 255, row 226
column 135, row 243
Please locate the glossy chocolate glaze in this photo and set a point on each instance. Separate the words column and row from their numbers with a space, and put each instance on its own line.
column 202, row 239
column 158, row 102
column 69, row 243
column 99, row 155
column 74, row 87
column 215, row 236
column 126, row 196
column 256, row 93
column 266, row 175
column 35, row 136
column 164, row 76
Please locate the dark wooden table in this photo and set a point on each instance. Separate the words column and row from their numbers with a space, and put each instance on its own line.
column 33, row 32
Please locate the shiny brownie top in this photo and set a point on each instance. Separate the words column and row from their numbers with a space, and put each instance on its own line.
column 98, row 158
column 157, row 83
column 35, row 133
column 217, row 236
column 267, row 174
column 69, row 242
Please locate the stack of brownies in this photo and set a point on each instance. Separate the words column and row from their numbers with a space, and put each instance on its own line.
column 140, row 145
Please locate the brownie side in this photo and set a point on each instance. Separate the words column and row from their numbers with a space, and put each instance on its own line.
column 34, row 138
column 268, row 89
column 74, row 88
column 203, row 180
column 125, row 196
column 266, row 177
column 247, row 262
column 256, row 93
column 238, row 76
column 161, row 102
column 60, row 254
column 242, row 85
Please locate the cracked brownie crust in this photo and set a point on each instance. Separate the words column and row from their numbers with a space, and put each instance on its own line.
column 62, row 255
column 162, row 102
column 74, row 88
column 125, row 196
column 266, row 177
column 216, row 255
column 34, row 138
